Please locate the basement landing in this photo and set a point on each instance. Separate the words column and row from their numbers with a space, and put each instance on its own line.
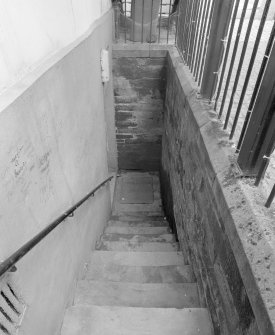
column 138, row 192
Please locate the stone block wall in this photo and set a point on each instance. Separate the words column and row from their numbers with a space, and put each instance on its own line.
column 216, row 226
column 139, row 88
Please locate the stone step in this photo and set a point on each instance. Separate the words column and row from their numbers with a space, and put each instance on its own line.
column 111, row 320
column 125, row 258
column 134, row 239
column 140, row 274
column 137, row 217
column 143, row 223
column 137, row 246
column 100, row 293
column 130, row 211
column 139, row 230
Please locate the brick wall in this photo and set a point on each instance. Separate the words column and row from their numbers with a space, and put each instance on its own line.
column 139, row 87
column 203, row 197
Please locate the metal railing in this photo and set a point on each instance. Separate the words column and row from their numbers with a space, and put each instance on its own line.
column 146, row 21
column 9, row 263
column 229, row 48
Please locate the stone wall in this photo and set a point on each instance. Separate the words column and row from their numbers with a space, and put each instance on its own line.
column 216, row 225
column 139, row 87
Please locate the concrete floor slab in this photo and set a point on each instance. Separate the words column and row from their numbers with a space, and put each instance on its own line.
column 139, row 193
column 136, row 190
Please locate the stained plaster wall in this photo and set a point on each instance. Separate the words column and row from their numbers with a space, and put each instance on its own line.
column 53, row 150
column 225, row 231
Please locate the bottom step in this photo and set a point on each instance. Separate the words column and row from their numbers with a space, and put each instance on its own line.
column 106, row 320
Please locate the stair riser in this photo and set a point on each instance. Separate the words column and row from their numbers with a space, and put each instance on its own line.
column 108, row 320
column 137, row 230
column 137, row 295
column 144, row 223
column 136, row 258
column 166, row 238
column 138, row 274
column 143, row 247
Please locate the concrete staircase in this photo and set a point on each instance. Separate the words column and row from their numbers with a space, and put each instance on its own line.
column 137, row 283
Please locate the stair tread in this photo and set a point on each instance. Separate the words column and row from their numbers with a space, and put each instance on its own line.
column 142, row 223
column 136, row 217
column 137, row 295
column 140, row 274
column 112, row 320
column 138, row 238
column 137, row 258
column 137, row 246
column 137, row 230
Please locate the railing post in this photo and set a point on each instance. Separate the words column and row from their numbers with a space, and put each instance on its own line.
column 260, row 130
column 219, row 27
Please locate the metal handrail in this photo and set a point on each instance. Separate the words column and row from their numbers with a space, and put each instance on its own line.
column 10, row 262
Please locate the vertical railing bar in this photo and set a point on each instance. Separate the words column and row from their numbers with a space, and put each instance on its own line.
column 151, row 23
column 177, row 23
column 134, row 18
column 160, row 14
column 271, row 197
column 181, row 15
column 185, row 27
column 142, row 21
column 193, row 36
column 266, row 160
column 204, row 37
column 257, row 85
column 125, row 21
column 168, row 26
column 251, row 63
column 194, row 56
column 200, row 44
column 232, row 62
column 189, row 28
column 190, row 31
column 206, row 41
column 237, row 77
column 228, row 44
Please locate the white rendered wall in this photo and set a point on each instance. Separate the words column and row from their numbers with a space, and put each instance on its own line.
column 32, row 30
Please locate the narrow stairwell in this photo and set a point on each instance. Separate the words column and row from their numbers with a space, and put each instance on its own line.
column 136, row 281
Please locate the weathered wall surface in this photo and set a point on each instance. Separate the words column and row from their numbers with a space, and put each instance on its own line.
column 139, row 86
column 232, row 253
column 53, row 152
